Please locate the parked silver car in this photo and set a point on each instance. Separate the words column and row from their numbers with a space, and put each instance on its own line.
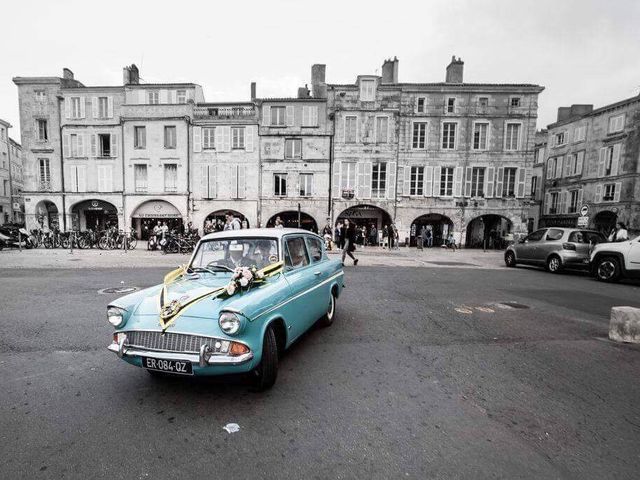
column 554, row 248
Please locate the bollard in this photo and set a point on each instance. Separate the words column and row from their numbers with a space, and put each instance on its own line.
column 71, row 243
column 624, row 325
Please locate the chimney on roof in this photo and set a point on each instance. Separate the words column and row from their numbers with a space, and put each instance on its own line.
column 130, row 75
column 575, row 110
column 304, row 92
column 253, row 90
column 455, row 70
column 318, row 83
column 390, row 70
column 67, row 74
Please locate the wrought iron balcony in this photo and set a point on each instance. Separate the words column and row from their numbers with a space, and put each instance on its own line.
column 225, row 111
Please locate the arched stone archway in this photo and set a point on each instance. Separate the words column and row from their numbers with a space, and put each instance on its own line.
column 605, row 221
column 366, row 216
column 95, row 214
column 488, row 231
column 290, row 220
column 437, row 224
column 47, row 215
column 218, row 218
column 147, row 214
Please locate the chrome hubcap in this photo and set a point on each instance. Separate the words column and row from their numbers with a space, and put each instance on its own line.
column 331, row 307
column 606, row 270
column 554, row 264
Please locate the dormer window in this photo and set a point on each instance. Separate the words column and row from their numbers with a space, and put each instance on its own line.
column 367, row 90
column 451, row 105
column 515, row 101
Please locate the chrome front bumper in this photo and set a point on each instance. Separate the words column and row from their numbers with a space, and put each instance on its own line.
column 203, row 359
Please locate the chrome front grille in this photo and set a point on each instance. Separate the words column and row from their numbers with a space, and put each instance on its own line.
column 169, row 342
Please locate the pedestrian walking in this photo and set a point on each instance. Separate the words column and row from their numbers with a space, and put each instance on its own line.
column 338, row 235
column 327, row 234
column 349, row 242
column 373, row 235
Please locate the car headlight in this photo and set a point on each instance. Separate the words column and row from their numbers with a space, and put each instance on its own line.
column 229, row 323
column 115, row 316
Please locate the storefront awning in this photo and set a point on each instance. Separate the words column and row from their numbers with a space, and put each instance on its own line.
column 156, row 209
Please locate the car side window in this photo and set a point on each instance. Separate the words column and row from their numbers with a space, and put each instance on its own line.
column 536, row 236
column 554, row 234
column 315, row 248
column 296, row 255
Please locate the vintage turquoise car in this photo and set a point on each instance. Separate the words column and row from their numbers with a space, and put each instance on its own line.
column 244, row 297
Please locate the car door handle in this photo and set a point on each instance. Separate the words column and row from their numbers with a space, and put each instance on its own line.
column 317, row 273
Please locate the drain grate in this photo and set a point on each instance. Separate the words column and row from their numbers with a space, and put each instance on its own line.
column 517, row 305
column 118, row 290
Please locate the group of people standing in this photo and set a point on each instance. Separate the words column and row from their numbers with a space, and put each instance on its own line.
column 231, row 222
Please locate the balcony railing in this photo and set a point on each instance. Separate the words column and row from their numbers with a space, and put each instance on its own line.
column 44, row 185
column 223, row 112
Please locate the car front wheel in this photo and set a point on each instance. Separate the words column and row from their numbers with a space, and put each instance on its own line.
column 554, row 264
column 608, row 269
column 510, row 259
column 267, row 372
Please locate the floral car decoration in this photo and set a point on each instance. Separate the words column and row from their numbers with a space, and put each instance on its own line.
column 243, row 299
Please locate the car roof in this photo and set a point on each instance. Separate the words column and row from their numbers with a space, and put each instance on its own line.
column 258, row 232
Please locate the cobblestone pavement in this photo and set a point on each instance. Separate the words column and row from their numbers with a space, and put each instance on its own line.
column 368, row 256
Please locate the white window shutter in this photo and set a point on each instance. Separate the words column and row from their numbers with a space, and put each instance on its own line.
column 314, row 116
column 391, row 180
column 80, row 139
column 337, row 175
column 406, row 185
column 616, row 194
column 559, row 167
column 598, row 193
column 563, row 202
column 547, row 203
column 499, row 181
column 601, row 161
column 579, row 199
column 579, row 162
column 305, row 116
column 234, row 181
column 226, row 138
column 490, row 182
column 467, row 181
column 241, row 181
column 203, row 184
column 522, row 176
column 368, row 167
column 110, row 107
column 174, row 96
column 65, row 145
column 290, row 116
column 615, row 161
column 94, row 107
column 249, row 138
column 114, row 144
column 164, row 96
column 437, row 177
column 94, row 145
column 142, row 97
column 219, row 139
column 197, row 139
column 550, row 169
column 266, row 115
column 567, row 166
column 428, row 182
column 415, row 105
column 457, row 181
column 83, row 107
column 67, row 107
column 213, row 181
column 82, row 178
column 361, row 179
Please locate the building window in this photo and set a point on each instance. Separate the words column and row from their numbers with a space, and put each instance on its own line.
column 103, row 107
column 449, row 136
column 348, row 180
column 580, row 134
column 417, row 181
column 43, row 134
column 609, row 192
column 181, row 96
column 153, row 97
column 573, row 201
column 480, row 132
column 169, row 137
column 41, row 96
column 350, row 129
column 76, row 144
column 534, row 185
column 367, row 90
column 293, row 148
column 515, row 101
column 170, row 177
column 421, row 105
column 140, row 137
column 379, row 180
column 509, row 188
column 477, row 182
column 483, row 101
column 553, row 204
column 616, row 123
column 446, row 182
column 419, row 135
column 560, row 138
column 382, row 129
column 608, row 161
column 278, row 116
column 451, row 105
column 512, row 137
column 104, row 145
column 140, row 177
column 306, row 184
column 310, row 116
column 208, row 138
column 280, row 184
column 237, row 138
column 76, row 109
column 45, row 174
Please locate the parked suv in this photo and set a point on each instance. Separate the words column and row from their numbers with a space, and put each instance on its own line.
column 612, row 261
column 554, row 248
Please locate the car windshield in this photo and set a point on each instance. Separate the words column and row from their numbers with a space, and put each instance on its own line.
column 230, row 253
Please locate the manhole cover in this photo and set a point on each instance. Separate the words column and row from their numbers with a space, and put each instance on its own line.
column 514, row 305
column 453, row 263
column 118, row 290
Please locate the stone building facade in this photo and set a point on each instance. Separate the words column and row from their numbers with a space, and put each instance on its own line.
column 7, row 148
column 452, row 157
column 593, row 161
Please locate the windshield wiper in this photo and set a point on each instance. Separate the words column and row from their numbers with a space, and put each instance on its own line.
column 200, row 269
column 223, row 267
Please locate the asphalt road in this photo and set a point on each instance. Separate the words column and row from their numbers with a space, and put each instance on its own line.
column 425, row 374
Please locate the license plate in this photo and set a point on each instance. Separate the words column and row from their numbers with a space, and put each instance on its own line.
column 179, row 367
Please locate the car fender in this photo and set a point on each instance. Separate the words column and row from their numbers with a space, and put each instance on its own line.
column 608, row 253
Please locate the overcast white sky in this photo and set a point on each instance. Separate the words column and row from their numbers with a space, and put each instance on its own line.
column 582, row 51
